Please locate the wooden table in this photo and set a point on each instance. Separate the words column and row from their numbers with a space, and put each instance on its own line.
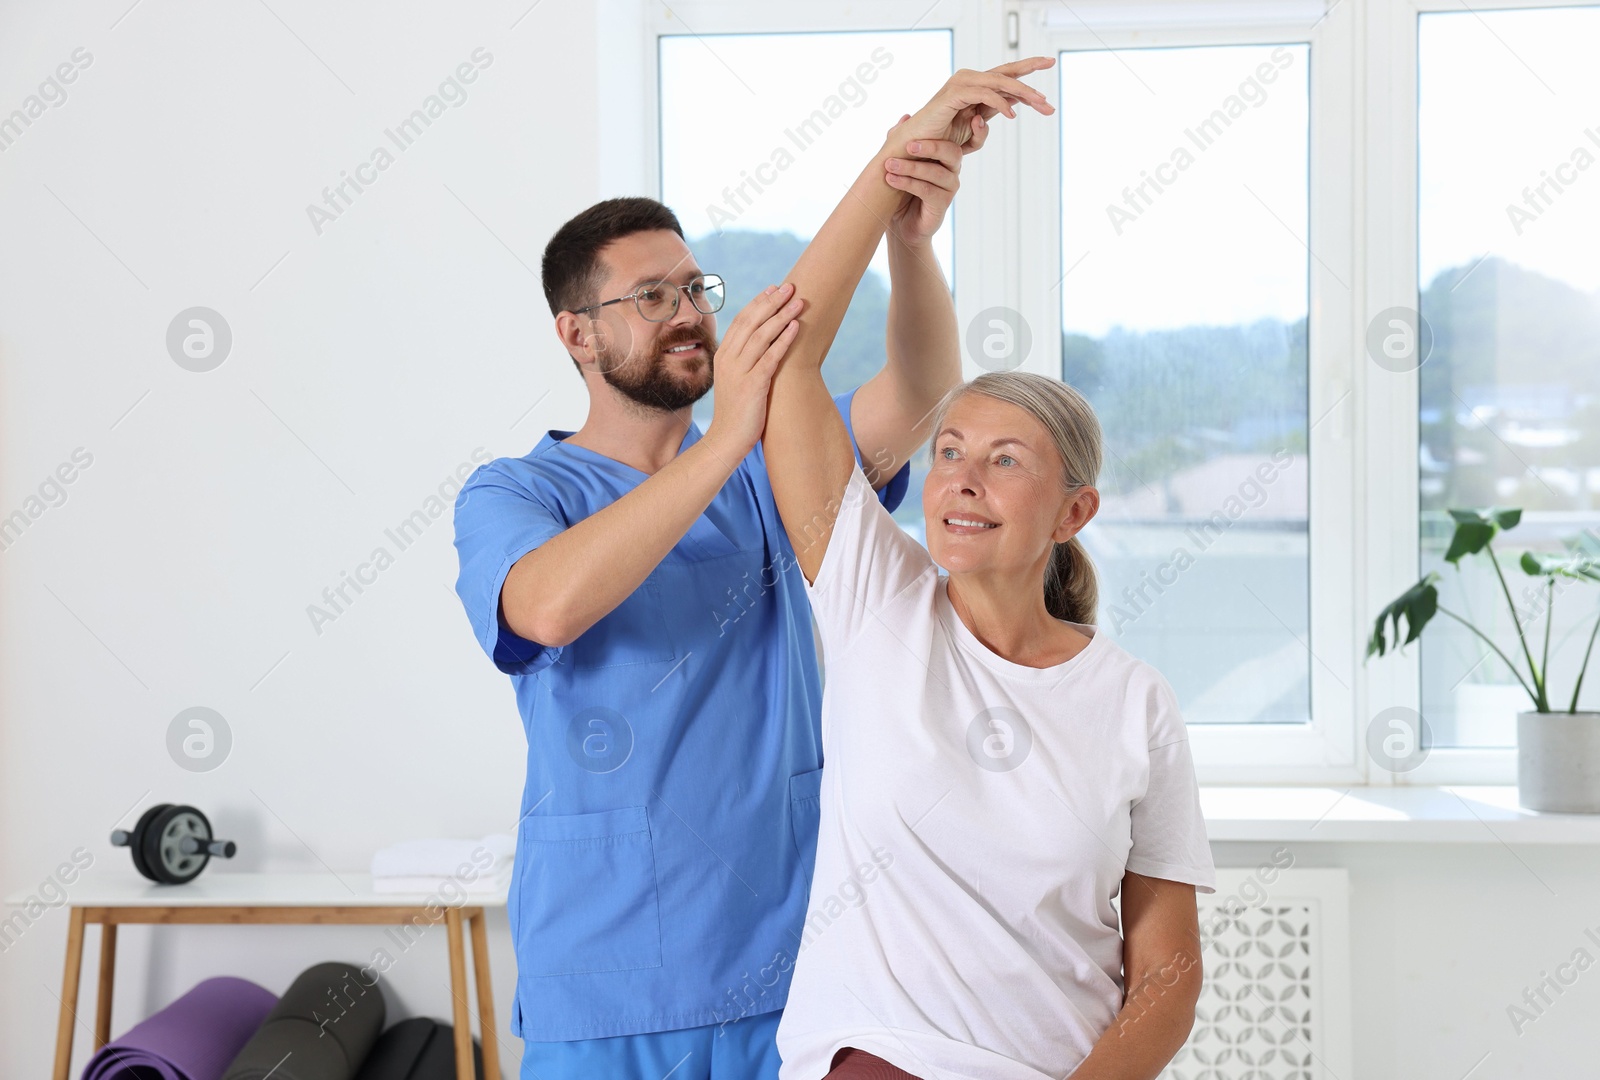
column 217, row 896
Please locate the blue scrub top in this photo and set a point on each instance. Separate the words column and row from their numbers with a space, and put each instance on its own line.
column 669, row 820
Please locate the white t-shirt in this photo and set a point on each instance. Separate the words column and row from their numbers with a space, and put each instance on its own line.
column 977, row 817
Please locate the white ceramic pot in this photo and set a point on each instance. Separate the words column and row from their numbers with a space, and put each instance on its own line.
column 1558, row 762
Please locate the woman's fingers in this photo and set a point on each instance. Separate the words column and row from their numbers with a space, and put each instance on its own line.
column 977, row 88
column 1008, row 86
column 1001, row 103
column 1024, row 66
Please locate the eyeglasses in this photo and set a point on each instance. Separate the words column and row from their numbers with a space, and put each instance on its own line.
column 657, row 301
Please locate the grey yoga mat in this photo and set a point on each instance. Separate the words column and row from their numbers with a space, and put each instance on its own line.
column 321, row 1029
column 417, row 1049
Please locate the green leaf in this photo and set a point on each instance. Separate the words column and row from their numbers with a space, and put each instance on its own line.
column 1470, row 538
column 1570, row 565
column 1416, row 605
column 1499, row 517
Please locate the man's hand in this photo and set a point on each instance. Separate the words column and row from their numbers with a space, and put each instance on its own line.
column 756, row 342
column 930, row 175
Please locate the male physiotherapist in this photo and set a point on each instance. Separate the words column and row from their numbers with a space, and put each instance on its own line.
column 634, row 580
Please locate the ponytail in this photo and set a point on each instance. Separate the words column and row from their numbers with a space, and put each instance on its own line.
column 1071, row 590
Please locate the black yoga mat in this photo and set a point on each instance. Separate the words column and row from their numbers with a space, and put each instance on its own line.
column 322, row 1028
column 417, row 1049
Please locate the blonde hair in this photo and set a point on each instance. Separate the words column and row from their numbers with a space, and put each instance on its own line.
column 1071, row 590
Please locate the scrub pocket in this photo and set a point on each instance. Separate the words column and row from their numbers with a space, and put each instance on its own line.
column 805, row 814
column 633, row 632
column 588, row 900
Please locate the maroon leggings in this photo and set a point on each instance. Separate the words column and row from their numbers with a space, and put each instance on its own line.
column 853, row 1064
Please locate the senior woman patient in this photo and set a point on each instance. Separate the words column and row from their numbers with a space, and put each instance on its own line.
column 1001, row 768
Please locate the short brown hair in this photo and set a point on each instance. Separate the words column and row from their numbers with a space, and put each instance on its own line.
column 571, row 267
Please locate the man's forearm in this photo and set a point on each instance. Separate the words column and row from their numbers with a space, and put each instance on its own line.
column 923, row 341
column 563, row 587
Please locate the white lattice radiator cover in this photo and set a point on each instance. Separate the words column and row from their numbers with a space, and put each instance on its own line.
column 1276, row 999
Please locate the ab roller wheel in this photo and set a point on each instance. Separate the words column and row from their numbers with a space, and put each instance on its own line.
column 171, row 844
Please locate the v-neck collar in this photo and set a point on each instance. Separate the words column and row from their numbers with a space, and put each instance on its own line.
column 690, row 437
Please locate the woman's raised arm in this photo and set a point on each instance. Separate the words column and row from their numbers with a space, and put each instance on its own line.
column 808, row 451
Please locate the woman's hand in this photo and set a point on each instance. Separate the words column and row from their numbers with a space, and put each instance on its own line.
column 955, row 123
column 969, row 96
column 745, row 362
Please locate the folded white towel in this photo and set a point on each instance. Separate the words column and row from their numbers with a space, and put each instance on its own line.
column 446, row 885
column 459, row 859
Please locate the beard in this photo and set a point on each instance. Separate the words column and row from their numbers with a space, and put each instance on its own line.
column 648, row 382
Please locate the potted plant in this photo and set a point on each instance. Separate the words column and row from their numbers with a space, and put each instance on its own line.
column 1558, row 752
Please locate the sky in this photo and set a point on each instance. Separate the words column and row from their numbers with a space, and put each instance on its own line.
column 1504, row 99
column 761, row 87
column 1223, row 242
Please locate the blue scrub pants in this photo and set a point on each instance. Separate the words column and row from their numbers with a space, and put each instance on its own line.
column 745, row 1049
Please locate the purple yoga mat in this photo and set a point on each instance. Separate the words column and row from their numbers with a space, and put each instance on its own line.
column 194, row 1038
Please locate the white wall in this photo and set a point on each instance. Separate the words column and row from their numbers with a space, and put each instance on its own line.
column 366, row 366
column 1446, row 937
column 364, row 369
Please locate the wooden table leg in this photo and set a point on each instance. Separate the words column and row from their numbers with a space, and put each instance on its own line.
column 458, row 994
column 69, row 994
column 108, row 968
column 480, row 971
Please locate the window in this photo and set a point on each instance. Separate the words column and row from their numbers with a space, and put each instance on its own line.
column 1508, row 199
column 760, row 136
column 1183, row 312
column 1230, row 199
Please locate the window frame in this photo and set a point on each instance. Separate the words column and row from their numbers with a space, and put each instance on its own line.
column 1363, row 551
column 1392, row 238
column 1326, row 748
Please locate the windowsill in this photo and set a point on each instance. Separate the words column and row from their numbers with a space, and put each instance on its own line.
column 1453, row 814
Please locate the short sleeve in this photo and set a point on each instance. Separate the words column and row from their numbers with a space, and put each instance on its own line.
column 892, row 493
column 497, row 522
column 1168, row 827
column 869, row 561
